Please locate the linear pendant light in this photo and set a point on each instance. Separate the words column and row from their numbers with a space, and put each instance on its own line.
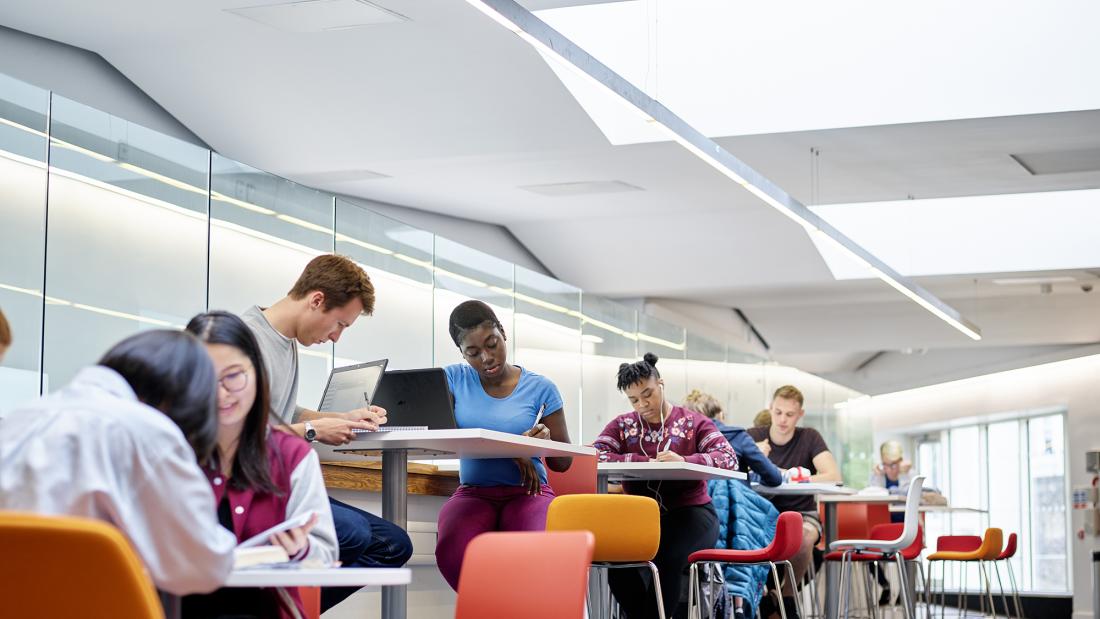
column 551, row 43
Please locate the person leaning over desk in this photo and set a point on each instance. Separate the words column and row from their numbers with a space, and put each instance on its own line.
column 260, row 476
column 328, row 297
column 119, row 443
column 497, row 494
column 658, row 430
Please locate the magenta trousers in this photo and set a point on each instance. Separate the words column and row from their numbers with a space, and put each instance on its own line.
column 473, row 510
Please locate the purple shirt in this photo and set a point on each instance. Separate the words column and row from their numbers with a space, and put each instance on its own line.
column 629, row 438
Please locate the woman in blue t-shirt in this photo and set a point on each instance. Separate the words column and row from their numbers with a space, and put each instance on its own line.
column 496, row 494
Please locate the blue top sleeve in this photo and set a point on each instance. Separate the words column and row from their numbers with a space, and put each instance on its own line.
column 748, row 451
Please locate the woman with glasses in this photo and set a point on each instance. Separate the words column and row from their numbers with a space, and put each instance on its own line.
column 260, row 476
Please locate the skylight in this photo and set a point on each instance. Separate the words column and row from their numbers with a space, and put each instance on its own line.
column 740, row 68
column 980, row 234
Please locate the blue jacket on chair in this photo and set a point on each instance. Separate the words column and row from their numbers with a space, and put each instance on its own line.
column 746, row 521
column 749, row 455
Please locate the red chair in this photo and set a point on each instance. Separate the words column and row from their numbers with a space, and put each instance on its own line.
column 496, row 582
column 785, row 544
column 958, row 543
column 311, row 601
column 1005, row 557
column 580, row 478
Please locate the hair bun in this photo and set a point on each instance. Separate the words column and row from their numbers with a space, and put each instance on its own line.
column 650, row 358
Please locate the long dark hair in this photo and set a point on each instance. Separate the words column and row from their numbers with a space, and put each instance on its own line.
column 170, row 371
column 250, row 465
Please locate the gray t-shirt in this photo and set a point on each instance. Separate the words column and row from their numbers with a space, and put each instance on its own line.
column 280, row 355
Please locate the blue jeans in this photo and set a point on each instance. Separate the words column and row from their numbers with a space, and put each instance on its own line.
column 365, row 541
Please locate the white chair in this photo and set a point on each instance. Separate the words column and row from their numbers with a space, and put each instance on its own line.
column 887, row 550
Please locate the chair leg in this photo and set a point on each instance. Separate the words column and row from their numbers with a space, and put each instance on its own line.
column 988, row 593
column 925, row 595
column 1000, row 585
column 869, row 591
column 779, row 590
column 845, row 586
column 797, row 597
column 906, row 594
column 1015, row 590
column 962, row 596
column 693, row 585
column 811, row 587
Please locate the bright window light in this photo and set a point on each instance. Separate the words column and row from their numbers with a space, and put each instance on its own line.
column 1011, row 233
column 742, row 68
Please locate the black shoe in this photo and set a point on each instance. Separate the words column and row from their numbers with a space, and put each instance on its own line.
column 791, row 608
column 884, row 599
column 739, row 613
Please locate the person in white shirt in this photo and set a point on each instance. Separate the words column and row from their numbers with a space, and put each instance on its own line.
column 121, row 443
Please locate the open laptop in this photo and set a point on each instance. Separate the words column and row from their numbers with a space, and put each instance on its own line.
column 416, row 400
column 352, row 387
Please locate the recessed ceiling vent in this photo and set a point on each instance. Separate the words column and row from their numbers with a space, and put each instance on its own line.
column 583, row 188
column 1059, row 161
column 319, row 15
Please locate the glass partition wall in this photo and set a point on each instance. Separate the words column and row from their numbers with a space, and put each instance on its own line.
column 108, row 228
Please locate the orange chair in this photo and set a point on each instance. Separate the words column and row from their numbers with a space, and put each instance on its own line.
column 627, row 529
column 990, row 550
column 61, row 566
column 495, row 581
column 579, row 479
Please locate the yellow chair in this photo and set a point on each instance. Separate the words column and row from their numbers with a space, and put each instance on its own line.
column 60, row 566
column 990, row 550
column 627, row 530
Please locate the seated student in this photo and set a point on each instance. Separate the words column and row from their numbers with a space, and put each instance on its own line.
column 331, row 293
column 496, row 494
column 260, row 476
column 5, row 336
column 791, row 447
column 119, row 444
column 658, row 430
column 749, row 456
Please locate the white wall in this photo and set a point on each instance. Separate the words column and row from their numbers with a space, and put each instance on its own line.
column 1071, row 384
column 486, row 237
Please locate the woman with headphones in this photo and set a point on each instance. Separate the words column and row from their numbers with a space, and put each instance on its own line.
column 656, row 430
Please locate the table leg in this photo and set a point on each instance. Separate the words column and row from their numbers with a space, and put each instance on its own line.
column 597, row 579
column 395, row 508
column 832, row 571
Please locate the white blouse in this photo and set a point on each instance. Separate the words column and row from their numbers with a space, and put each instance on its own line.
column 92, row 449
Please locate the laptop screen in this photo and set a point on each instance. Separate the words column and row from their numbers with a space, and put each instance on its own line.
column 352, row 387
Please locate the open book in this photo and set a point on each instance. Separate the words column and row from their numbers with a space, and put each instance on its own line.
column 258, row 550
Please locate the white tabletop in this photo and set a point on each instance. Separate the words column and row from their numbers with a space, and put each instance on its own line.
column 861, row 498
column 806, row 489
column 319, row 577
column 942, row 509
column 627, row 471
column 467, row 443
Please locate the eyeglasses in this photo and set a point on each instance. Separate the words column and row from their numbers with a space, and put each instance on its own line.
column 892, row 465
column 234, row 381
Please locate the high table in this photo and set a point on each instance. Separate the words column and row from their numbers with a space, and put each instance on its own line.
column 658, row 471
column 397, row 447
column 832, row 571
column 941, row 509
column 303, row 577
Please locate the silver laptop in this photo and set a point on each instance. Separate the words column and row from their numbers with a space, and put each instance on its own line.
column 352, row 387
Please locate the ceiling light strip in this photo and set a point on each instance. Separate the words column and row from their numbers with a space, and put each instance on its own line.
column 549, row 41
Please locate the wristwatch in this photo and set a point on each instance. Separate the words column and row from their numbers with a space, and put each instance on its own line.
column 311, row 434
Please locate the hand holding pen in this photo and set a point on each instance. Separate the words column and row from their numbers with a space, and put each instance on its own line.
column 664, row 455
column 538, row 430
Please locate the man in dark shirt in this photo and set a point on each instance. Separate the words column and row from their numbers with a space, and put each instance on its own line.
column 788, row 447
